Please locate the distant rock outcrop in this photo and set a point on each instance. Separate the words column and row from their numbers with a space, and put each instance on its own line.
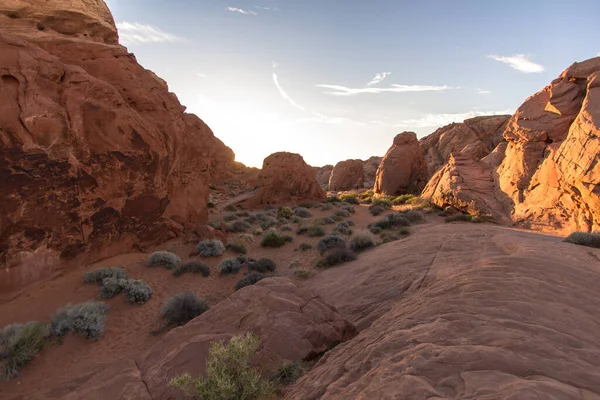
column 370, row 170
column 403, row 168
column 547, row 172
column 323, row 174
column 96, row 155
column 475, row 138
column 347, row 175
column 286, row 178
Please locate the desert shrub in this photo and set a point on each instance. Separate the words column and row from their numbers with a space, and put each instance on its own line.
column 264, row 265
column 229, row 375
column 288, row 238
column 230, row 266
column 210, row 204
column 192, row 267
column 215, row 224
column 414, row 216
column 289, row 373
column 19, row 344
column 368, row 200
column 332, row 199
column 402, row 199
column 98, row 275
column 261, row 216
column 182, row 308
column 374, row 230
column 336, row 256
column 251, row 219
column 242, row 214
column 230, row 207
column 270, row 222
column 285, row 212
column 285, row 228
column 349, row 209
column 210, row 248
column 273, row 239
column 258, row 231
column 458, row 218
column 383, row 202
column 387, row 237
column 85, row 319
column 391, row 221
column 362, row 241
column 301, row 274
column 238, row 227
column 342, row 214
column 270, row 213
column 111, row 287
column 325, row 207
column 305, row 246
column 163, row 259
column 249, row 279
column 296, row 219
column 302, row 212
column 330, row 241
column 351, row 198
column 246, row 237
column 584, row 239
column 342, row 228
column 366, row 194
column 237, row 247
column 376, row 209
column 136, row 291
column 327, row 221
column 230, row 217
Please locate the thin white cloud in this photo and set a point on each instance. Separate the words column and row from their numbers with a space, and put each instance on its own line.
column 345, row 91
column 267, row 8
column 136, row 33
column 433, row 120
column 482, row 91
column 379, row 78
column 242, row 11
column 284, row 94
column 520, row 62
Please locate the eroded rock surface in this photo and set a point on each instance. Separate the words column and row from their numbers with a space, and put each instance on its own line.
column 370, row 170
column 323, row 173
column 347, row 175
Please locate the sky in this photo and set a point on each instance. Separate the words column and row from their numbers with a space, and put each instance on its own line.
column 338, row 79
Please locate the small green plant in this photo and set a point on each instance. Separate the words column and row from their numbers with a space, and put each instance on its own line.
column 341, row 214
column 19, row 344
column 351, row 198
column 273, row 239
column 362, row 241
column 230, row 208
column 366, row 194
column 210, row 248
column 384, row 201
column 268, row 223
column 302, row 212
column 229, row 375
column 343, row 228
column 230, row 217
column 111, row 287
column 249, row 279
column 312, row 230
column 192, row 267
column 402, row 199
column 136, row 291
column 325, row 206
column 238, row 227
column 230, row 266
column 289, row 373
column 584, row 239
column 86, row 319
column 458, row 218
column 390, row 221
column 163, row 259
column 336, row 256
column 286, row 228
column 242, row 214
column 246, row 237
column 182, row 308
column 349, row 209
column 330, row 242
column 375, row 230
column 215, row 224
column 237, row 247
column 332, row 199
column 375, row 210
column 264, row 265
column 327, row 221
column 301, row 274
column 98, row 275
column 285, row 212
column 258, row 231
column 414, row 216
column 305, row 246
column 251, row 219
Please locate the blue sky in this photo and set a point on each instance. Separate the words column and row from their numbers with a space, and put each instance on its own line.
column 334, row 79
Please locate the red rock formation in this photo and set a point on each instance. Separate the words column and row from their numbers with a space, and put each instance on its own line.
column 370, row 170
column 286, row 178
column 347, row 175
column 95, row 154
column 323, row 173
column 403, row 168
column 475, row 138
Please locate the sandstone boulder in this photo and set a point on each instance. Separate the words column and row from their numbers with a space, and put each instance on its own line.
column 475, row 138
column 347, row 175
column 96, row 155
column 403, row 168
column 370, row 170
column 323, row 173
column 286, row 178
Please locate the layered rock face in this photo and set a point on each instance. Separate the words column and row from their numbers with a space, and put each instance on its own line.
column 347, row 175
column 286, row 178
column 323, row 174
column 403, row 168
column 370, row 170
column 475, row 138
column 96, row 154
column 546, row 172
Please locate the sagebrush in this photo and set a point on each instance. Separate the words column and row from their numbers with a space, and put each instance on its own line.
column 182, row 308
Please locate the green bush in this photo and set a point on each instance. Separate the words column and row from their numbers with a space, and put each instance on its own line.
column 302, row 212
column 330, row 242
column 351, row 198
column 210, row 248
column 343, row 228
column 230, row 217
column 268, row 223
column 385, row 202
column 375, row 210
column 111, row 287
column 366, row 194
column 230, row 207
column 242, row 214
column 374, row 230
column 312, row 230
column 301, row 274
column 238, row 227
column 136, row 291
column 402, row 199
column 230, row 266
column 341, row 214
column 286, row 228
column 163, row 259
column 249, row 279
column 19, row 344
column 326, row 221
column 251, row 219
column 336, row 256
column 237, row 247
column 273, row 239
column 414, row 216
column 258, row 231
column 229, row 375
column 215, row 224
column 285, row 212
column 325, row 207
column 305, row 246
column 98, row 275
column 192, row 267
column 391, row 221
column 289, row 373
column 362, row 241
column 584, row 239
column 458, row 218
column 264, row 265
column 349, row 209
column 332, row 199
column 86, row 319
column 182, row 308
